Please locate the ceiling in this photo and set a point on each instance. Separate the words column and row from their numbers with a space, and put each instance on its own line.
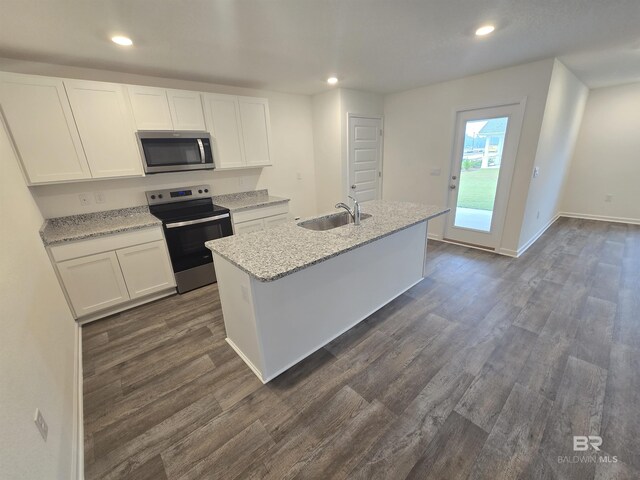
column 294, row 45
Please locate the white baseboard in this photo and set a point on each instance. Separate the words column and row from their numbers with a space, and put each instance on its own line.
column 508, row 252
column 601, row 218
column 533, row 239
column 434, row 236
column 77, row 448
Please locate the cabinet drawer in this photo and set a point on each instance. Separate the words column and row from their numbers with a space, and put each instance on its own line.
column 82, row 248
column 260, row 212
column 247, row 227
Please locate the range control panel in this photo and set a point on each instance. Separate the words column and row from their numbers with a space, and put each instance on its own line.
column 178, row 194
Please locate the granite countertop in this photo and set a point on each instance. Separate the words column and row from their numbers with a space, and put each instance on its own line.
column 89, row 225
column 237, row 202
column 274, row 253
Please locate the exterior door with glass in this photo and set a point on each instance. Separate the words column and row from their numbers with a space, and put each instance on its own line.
column 486, row 143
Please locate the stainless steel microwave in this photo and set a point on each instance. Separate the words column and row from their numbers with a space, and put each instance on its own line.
column 170, row 151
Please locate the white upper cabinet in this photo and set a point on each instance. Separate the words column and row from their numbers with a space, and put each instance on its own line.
column 150, row 108
column 39, row 119
column 256, row 130
column 162, row 109
column 186, row 110
column 106, row 128
column 241, row 130
column 223, row 119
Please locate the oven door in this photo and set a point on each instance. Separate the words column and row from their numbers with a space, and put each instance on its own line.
column 175, row 151
column 186, row 240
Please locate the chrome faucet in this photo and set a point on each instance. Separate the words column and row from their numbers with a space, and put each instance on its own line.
column 355, row 213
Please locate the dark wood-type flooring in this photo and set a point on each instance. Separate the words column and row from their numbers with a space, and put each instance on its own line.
column 486, row 369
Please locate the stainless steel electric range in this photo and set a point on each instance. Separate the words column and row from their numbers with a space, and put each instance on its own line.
column 189, row 219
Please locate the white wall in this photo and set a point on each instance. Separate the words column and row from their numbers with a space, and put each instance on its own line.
column 419, row 132
column 38, row 339
column 607, row 159
column 330, row 136
column 562, row 116
column 292, row 150
column 327, row 125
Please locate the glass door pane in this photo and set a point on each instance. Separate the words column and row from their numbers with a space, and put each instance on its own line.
column 479, row 172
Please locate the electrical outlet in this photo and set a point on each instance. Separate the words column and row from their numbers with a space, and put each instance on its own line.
column 41, row 424
column 99, row 197
column 608, row 197
column 84, row 199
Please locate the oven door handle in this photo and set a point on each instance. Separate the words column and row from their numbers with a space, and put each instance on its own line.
column 195, row 222
column 201, row 147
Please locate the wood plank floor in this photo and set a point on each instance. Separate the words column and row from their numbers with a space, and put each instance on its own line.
column 486, row 369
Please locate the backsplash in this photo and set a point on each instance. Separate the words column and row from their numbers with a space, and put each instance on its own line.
column 64, row 199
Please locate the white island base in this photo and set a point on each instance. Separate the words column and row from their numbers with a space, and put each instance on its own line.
column 274, row 325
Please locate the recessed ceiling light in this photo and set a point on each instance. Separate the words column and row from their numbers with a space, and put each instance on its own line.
column 485, row 30
column 332, row 80
column 120, row 40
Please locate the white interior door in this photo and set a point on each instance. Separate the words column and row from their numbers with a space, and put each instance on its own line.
column 486, row 143
column 365, row 157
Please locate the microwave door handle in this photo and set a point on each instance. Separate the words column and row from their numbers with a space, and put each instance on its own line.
column 194, row 222
column 201, row 147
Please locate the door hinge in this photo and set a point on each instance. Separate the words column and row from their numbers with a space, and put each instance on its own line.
column 379, row 174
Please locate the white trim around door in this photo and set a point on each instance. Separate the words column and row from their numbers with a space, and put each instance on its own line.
column 364, row 157
column 482, row 225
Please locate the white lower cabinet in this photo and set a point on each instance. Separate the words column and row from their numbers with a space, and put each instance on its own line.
column 250, row 226
column 108, row 274
column 93, row 283
column 260, row 218
column 146, row 268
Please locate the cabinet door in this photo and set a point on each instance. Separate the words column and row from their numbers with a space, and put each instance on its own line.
column 256, row 130
column 146, row 268
column 38, row 117
column 275, row 220
column 93, row 283
column 106, row 128
column 186, row 110
column 247, row 227
column 150, row 108
column 223, row 122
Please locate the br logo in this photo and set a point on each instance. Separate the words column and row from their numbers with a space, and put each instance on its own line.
column 581, row 443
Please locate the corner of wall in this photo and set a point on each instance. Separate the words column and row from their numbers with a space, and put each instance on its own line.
column 563, row 111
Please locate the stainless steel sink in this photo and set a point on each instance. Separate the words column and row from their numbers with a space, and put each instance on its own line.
column 330, row 221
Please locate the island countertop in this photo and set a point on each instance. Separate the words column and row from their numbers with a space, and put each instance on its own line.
column 274, row 253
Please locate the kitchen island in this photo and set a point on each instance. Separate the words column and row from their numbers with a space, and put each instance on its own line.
column 289, row 290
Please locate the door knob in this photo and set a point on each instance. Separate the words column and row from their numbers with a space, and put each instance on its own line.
column 454, row 177
column 452, row 187
column 353, row 187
